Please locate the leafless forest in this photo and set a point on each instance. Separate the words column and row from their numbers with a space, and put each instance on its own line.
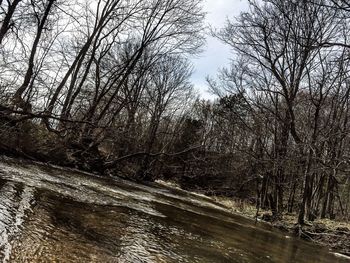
column 105, row 86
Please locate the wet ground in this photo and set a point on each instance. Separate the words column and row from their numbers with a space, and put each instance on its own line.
column 56, row 215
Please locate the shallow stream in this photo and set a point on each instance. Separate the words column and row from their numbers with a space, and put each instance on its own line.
column 58, row 215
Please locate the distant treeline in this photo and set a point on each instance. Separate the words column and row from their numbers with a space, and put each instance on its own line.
column 105, row 86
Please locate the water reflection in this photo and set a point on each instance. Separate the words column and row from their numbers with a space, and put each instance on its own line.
column 52, row 215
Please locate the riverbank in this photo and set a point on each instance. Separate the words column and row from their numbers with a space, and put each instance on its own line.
column 332, row 234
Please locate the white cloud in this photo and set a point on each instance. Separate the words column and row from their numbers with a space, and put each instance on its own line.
column 216, row 55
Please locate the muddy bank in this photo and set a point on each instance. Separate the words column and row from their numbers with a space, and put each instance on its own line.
column 334, row 235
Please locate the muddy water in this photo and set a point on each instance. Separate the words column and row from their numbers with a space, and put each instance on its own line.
column 56, row 215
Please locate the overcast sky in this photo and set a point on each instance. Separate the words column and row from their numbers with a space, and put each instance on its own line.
column 216, row 55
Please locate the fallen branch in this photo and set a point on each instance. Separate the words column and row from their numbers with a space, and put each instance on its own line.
column 113, row 163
